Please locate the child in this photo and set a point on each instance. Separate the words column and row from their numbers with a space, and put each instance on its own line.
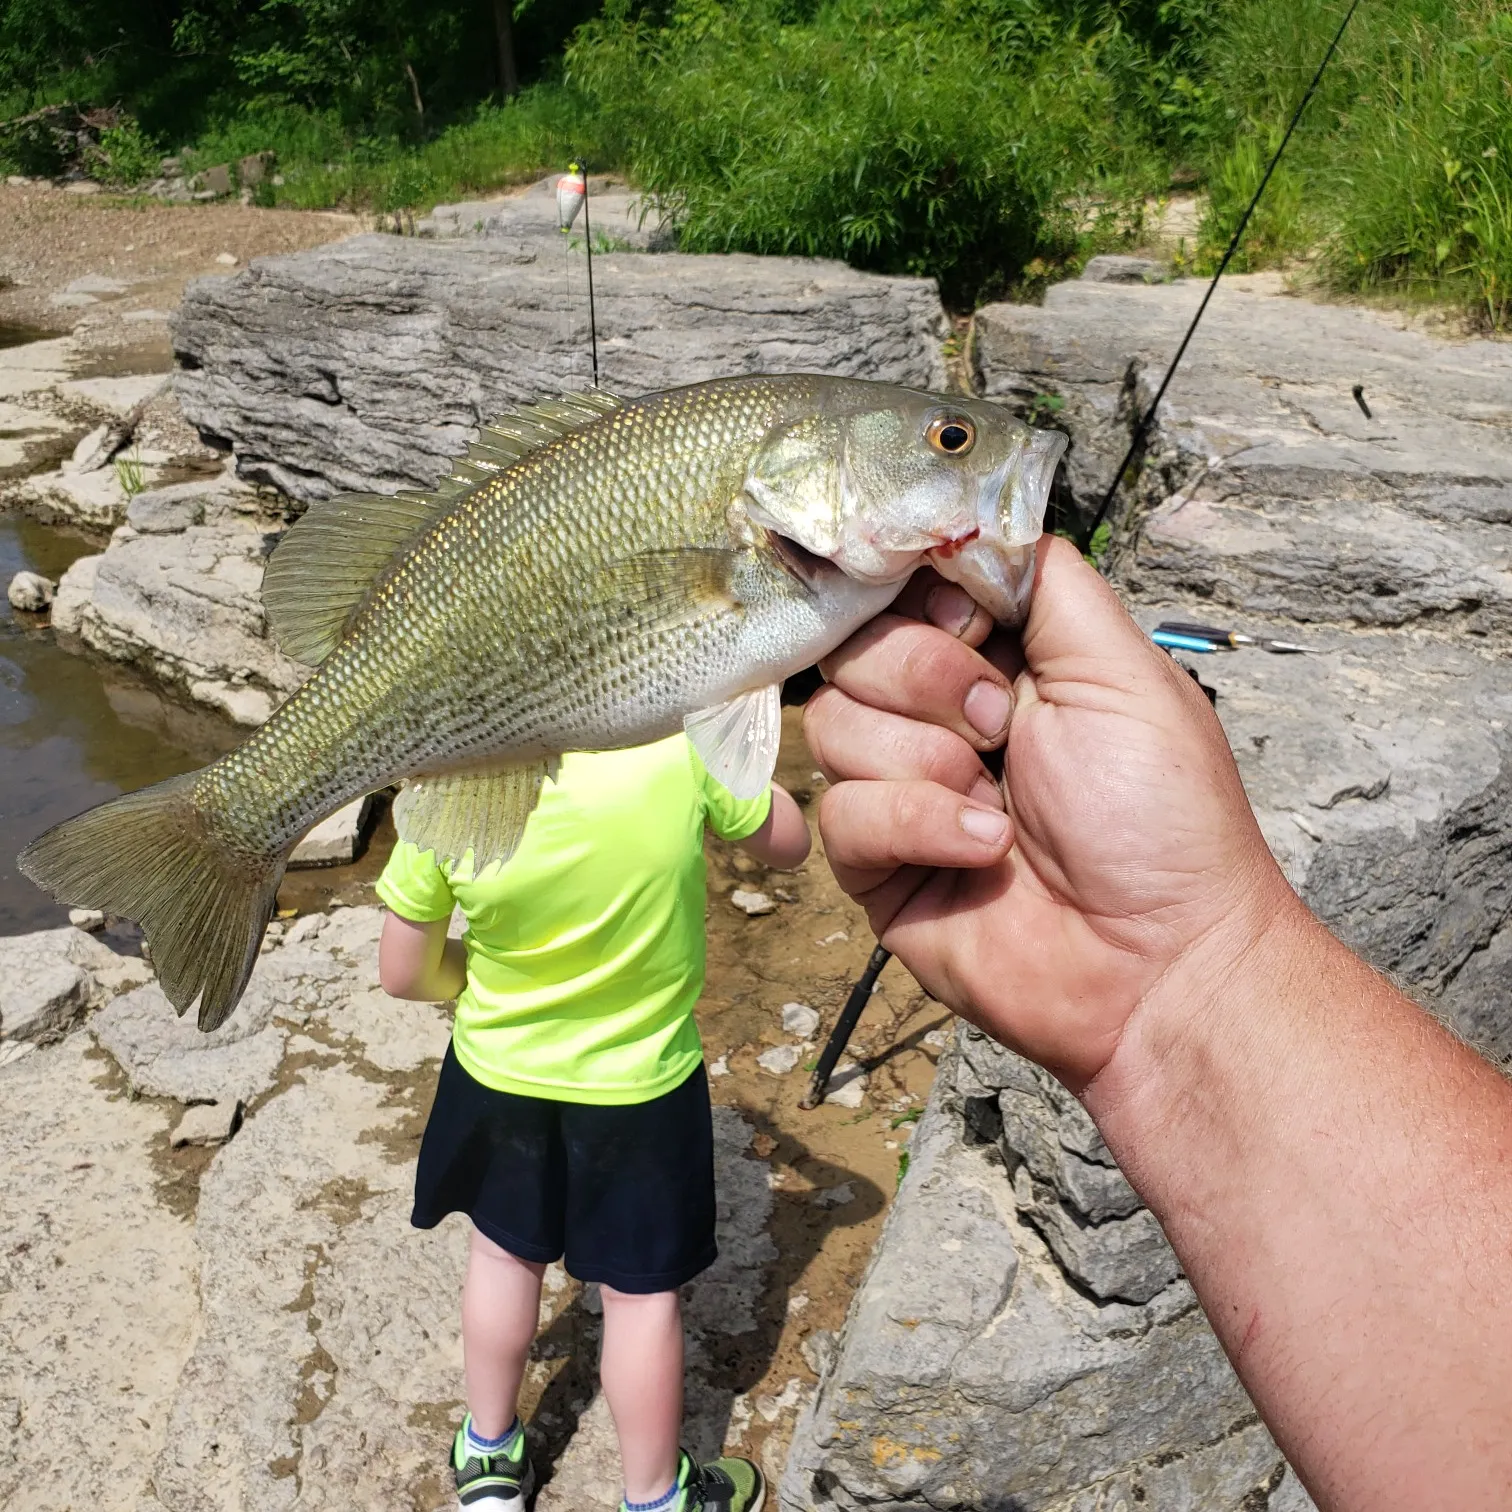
column 572, row 1112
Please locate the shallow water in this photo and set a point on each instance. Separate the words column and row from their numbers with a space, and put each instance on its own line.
column 72, row 733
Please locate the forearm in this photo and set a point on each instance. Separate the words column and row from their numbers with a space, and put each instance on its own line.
column 1335, row 1172
column 783, row 839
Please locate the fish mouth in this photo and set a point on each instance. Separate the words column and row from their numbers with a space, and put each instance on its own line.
column 805, row 566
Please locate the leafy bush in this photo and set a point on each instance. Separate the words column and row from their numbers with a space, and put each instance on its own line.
column 126, row 155
column 966, row 139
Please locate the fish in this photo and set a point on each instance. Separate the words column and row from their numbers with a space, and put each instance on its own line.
column 595, row 573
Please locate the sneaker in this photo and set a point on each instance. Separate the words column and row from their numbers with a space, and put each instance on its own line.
column 492, row 1482
column 723, row 1485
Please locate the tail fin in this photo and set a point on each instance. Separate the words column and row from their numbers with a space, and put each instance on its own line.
column 151, row 856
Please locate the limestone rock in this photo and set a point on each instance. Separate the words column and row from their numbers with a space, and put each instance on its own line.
column 51, row 978
column 1268, row 488
column 752, row 904
column 206, row 1124
column 75, row 588
column 800, row 1019
column 780, row 1059
column 88, row 919
column 620, row 218
column 93, row 499
column 972, row 1372
column 335, row 840
column 1381, row 773
column 847, row 1088
column 98, row 1299
column 94, row 450
column 30, row 592
column 164, row 1055
column 369, row 364
column 186, row 609
column 1111, row 267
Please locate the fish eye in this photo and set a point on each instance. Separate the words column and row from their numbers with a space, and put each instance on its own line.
column 952, row 434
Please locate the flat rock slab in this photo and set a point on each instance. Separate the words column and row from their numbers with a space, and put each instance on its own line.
column 370, row 363
column 98, row 1287
column 618, row 217
column 336, row 839
column 185, row 607
column 1302, row 493
column 164, row 1055
column 51, row 978
column 1381, row 772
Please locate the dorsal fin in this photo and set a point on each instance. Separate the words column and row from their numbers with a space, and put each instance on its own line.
column 328, row 560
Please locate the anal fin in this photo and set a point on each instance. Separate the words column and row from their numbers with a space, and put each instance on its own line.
column 483, row 812
column 737, row 741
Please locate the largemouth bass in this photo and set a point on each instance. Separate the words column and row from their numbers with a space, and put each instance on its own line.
column 595, row 574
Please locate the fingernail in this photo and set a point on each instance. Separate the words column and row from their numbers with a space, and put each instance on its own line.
column 987, row 707
column 987, row 825
column 986, row 792
column 950, row 608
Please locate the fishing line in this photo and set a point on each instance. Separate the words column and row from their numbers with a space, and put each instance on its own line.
column 846, row 1024
column 1148, row 418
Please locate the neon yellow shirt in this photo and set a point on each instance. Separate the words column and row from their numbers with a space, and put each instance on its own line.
column 585, row 953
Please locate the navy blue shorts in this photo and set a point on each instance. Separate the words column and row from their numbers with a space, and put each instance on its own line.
column 623, row 1195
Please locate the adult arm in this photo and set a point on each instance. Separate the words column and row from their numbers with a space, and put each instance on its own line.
column 1333, row 1169
column 417, row 960
column 783, row 840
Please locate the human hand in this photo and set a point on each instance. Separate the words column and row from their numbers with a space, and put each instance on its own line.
column 1118, row 851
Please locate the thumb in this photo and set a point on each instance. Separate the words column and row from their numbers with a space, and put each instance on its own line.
column 1077, row 631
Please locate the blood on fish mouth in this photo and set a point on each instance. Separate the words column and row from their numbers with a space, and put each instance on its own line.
column 948, row 549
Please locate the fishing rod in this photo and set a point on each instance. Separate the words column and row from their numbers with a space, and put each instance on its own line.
column 850, row 1016
column 1148, row 418
column 572, row 196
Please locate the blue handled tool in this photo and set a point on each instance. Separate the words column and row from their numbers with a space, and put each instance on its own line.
column 1171, row 641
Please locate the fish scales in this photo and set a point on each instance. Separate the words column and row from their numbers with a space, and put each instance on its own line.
column 669, row 560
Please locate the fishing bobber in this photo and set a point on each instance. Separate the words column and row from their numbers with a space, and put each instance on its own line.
column 570, row 191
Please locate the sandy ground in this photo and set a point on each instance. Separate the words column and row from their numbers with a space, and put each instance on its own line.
column 52, row 238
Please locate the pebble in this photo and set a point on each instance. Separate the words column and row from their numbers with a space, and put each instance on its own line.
column 752, row 904
column 800, row 1019
column 206, row 1124
column 30, row 591
column 779, row 1060
column 937, row 1039
column 90, row 919
column 833, row 939
column 848, row 1086
column 226, row 259
column 720, row 1067
column 818, row 1350
column 835, row 1196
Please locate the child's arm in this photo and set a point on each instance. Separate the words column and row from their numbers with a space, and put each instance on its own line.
column 783, row 839
column 418, row 961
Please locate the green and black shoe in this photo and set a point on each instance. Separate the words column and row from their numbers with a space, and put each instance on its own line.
column 494, row 1482
column 723, row 1485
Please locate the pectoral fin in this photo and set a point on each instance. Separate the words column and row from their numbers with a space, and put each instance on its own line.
column 737, row 741
column 482, row 812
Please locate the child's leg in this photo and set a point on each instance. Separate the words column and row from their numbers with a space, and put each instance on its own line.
column 642, row 1373
column 501, row 1302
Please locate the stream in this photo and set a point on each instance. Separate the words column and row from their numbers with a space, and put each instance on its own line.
column 72, row 732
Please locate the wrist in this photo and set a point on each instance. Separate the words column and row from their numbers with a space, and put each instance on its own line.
column 1213, row 1021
